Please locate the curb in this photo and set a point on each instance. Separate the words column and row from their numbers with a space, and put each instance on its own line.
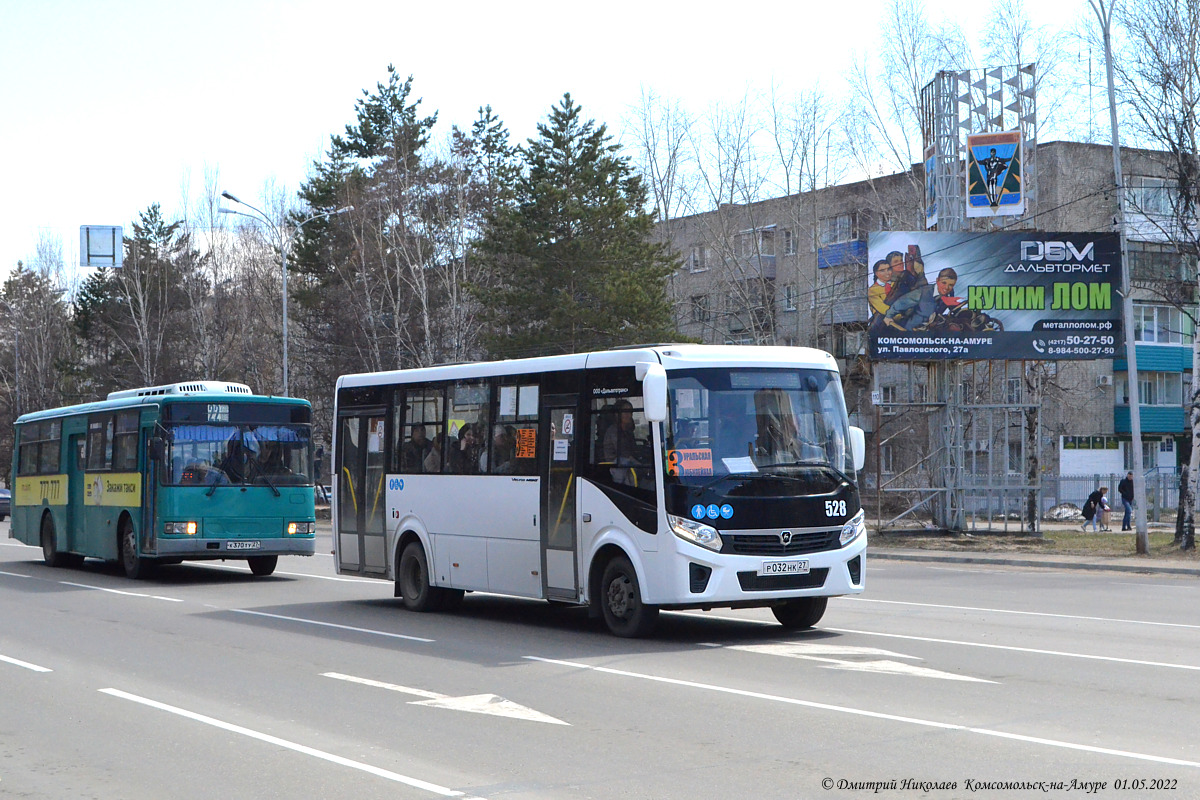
column 1005, row 561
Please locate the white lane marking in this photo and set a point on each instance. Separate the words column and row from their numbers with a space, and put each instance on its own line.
column 475, row 703
column 817, row 651
column 330, row 625
column 25, row 664
column 794, row 649
column 295, row 574
column 1034, row 650
column 928, row 723
column 15, row 575
column 381, row 685
column 16, row 544
column 299, row 748
column 1023, row 613
column 118, row 591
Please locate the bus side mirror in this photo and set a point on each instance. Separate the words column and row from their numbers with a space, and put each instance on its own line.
column 858, row 447
column 158, row 449
column 654, row 390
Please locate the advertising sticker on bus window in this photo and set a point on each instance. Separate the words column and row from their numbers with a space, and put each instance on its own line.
column 526, row 441
column 689, row 462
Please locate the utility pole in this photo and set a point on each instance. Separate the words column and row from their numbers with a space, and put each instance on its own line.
column 1104, row 14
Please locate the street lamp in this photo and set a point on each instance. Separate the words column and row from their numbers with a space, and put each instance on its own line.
column 285, row 243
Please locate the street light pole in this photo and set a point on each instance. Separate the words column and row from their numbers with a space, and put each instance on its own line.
column 285, row 244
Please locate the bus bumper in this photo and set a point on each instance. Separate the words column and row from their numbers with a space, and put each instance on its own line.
column 193, row 549
column 712, row 580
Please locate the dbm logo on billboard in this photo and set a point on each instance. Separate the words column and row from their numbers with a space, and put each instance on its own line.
column 935, row 296
column 1056, row 251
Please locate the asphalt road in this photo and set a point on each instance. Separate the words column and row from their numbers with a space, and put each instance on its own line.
column 206, row 682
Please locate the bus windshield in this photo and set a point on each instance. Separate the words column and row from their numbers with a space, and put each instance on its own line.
column 756, row 421
column 244, row 454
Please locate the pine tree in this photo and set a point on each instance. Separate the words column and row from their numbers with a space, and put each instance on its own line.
column 571, row 256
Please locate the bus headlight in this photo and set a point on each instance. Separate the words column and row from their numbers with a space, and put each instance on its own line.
column 855, row 527
column 180, row 528
column 301, row 528
column 695, row 532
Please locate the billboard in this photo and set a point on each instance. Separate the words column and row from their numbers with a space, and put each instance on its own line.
column 1007, row 295
column 994, row 185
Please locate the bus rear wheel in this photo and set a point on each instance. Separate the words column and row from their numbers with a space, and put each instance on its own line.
column 800, row 613
column 132, row 562
column 50, row 553
column 621, row 601
column 262, row 565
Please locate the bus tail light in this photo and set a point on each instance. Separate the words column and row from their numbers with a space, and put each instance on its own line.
column 180, row 528
column 301, row 528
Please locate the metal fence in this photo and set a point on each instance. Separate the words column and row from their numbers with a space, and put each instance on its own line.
column 1162, row 491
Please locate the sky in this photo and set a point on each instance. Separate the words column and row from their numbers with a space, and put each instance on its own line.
column 107, row 108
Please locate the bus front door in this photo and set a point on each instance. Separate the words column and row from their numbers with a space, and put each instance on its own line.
column 560, row 539
column 361, row 497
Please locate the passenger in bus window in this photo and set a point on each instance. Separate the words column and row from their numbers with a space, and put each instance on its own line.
column 433, row 461
column 415, row 450
column 503, row 449
column 234, row 462
column 620, row 446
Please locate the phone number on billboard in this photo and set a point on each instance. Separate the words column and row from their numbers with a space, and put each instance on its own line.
column 1082, row 351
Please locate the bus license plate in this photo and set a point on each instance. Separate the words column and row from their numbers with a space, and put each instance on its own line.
column 252, row 545
column 783, row 568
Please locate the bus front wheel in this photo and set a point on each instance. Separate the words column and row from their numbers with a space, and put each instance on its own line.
column 800, row 613
column 132, row 562
column 412, row 579
column 262, row 565
column 621, row 601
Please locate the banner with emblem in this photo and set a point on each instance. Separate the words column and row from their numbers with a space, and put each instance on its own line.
column 994, row 175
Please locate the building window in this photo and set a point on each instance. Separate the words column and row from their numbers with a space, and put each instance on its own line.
column 789, row 243
column 1013, row 390
column 839, row 228
column 1154, row 261
column 1014, row 458
column 700, row 310
column 789, row 297
column 885, row 459
column 698, row 260
column 1154, row 388
column 1153, row 324
column 1154, row 197
column 759, row 242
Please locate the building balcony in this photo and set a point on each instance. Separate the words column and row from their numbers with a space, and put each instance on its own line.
column 1168, row 420
column 843, row 253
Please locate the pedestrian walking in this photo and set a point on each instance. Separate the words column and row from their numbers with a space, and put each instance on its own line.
column 1125, row 490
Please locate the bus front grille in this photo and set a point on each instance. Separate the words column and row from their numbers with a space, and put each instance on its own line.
column 753, row 582
column 757, row 544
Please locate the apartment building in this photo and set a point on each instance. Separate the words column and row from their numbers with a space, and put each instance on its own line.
column 794, row 271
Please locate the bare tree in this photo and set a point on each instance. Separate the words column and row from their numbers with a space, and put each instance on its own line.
column 1159, row 69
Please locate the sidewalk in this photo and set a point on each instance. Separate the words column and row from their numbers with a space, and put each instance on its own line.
column 1144, row 564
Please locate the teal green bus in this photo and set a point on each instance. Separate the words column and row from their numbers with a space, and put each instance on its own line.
column 192, row 471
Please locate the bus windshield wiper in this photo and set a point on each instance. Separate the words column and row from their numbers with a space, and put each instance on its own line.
column 262, row 473
column 820, row 463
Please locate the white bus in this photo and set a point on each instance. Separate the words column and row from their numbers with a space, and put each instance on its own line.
column 629, row 481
